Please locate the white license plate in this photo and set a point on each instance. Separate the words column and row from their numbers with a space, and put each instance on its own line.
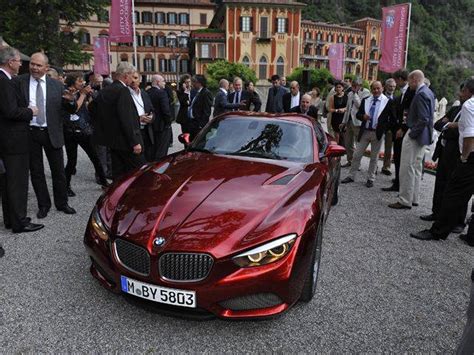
column 183, row 298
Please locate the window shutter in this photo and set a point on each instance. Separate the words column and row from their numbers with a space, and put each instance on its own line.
column 251, row 24
column 275, row 30
column 179, row 19
column 286, row 26
column 167, row 18
column 187, row 19
column 241, row 24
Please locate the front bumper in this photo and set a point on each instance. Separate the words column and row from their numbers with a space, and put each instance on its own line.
column 228, row 292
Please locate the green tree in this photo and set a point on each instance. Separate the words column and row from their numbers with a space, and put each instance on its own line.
column 317, row 77
column 225, row 70
column 31, row 26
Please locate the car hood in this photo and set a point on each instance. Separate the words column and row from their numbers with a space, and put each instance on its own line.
column 204, row 203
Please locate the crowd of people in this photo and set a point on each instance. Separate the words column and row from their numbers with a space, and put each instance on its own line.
column 121, row 126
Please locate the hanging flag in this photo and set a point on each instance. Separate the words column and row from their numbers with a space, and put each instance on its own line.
column 101, row 56
column 121, row 25
column 394, row 44
column 336, row 60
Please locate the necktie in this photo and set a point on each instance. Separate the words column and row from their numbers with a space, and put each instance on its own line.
column 237, row 97
column 372, row 113
column 40, row 117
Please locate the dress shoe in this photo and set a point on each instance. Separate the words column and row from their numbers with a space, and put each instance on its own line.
column 369, row 183
column 425, row 235
column 42, row 212
column 9, row 226
column 466, row 238
column 347, row 180
column 346, row 165
column 67, row 209
column 428, row 217
column 70, row 193
column 30, row 227
column 414, row 204
column 458, row 229
column 386, row 172
column 391, row 188
column 399, row 206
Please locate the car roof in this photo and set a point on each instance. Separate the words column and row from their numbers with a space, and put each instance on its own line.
column 292, row 117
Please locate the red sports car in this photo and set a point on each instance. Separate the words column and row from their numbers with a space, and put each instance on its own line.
column 231, row 226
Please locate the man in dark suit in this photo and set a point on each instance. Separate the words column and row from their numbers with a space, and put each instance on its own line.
column 144, row 108
column 275, row 96
column 399, row 129
column 239, row 96
column 447, row 154
column 292, row 99
column 376, row 113
column 117, row 123
column 46, row 132
column 162, row 123
column 221, row 103
column 201, row 105
column 419, row 135
column 15, row 117
column 306, row 108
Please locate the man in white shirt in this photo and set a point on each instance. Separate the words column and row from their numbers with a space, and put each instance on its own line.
column 350, row 124
column 293, row 98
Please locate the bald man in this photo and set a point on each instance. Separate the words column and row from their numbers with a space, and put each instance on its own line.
column 419, row 135
column 46, row 132
column 377, row 113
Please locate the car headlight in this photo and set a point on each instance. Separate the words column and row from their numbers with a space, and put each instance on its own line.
column 267, row 253
column 98, row 226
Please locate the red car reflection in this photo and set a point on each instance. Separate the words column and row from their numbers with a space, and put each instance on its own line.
column 232, row 225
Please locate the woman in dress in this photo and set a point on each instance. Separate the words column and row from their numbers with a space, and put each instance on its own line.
column 254, row 99
column 337, row 106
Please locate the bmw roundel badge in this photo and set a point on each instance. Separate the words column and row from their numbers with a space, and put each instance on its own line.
column 159, row 241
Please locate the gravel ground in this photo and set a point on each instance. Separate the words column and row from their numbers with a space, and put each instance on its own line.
column 379, row 289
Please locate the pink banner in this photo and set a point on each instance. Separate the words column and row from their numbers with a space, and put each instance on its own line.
column 101, row 56
column 395, row 24
column 336, row 60
column 121, row 26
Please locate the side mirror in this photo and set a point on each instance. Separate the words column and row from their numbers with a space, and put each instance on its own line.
column 185, row 139
column 335, row 150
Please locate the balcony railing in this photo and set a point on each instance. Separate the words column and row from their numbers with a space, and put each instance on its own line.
column 352, row 60
column 373, row 61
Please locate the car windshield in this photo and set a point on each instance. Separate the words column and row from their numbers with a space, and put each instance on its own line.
column 257, row 137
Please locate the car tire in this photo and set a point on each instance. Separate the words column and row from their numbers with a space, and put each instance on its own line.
column 309, row 288
column 335, row 195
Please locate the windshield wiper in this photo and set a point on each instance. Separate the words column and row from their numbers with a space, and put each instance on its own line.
column 201, row 150
column 252, row 153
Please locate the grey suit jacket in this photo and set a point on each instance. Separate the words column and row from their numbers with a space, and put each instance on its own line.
column 275, row 101
column 56, row 107
column 420, row 116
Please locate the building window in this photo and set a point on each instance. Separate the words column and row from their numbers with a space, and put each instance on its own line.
column 262, row 68
column 373, row 42
column 263, row 27
column 172, row 65
column 148, row 40
column 319, row 50
column 161, row 41
column 138, row 39
column 183, row 41
column 149, row 64
column 124, row 57
column 137, row 17
column 205, row 50
column 171, row 40
column 307, row 50
column 348, row 69
column 184, row 66
column 280, row 66
column 351, row 40
column 246, row 24
column 246, row 61
column 147, row 17
column 340, row 39
column 183, row 19
column 281, row 25
column 360, row 41
column 160, row 18
column 349, row 53
column 163, row 66
column 84, row 37
column 221, row 50
column 330, row 37
column 319, row 36
column 203, row 19
column 172, row 20
column 358, row 69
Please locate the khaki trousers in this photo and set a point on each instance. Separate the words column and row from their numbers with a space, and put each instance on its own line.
column 368, row 137
column 411, row 167
column 350, row 138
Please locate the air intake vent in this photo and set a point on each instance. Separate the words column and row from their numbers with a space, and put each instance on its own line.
column 255, row 301
column 185, row 266
column 132, row 256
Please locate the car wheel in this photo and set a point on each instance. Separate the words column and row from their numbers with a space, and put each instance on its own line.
column 335, row 196
column 309, row 288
